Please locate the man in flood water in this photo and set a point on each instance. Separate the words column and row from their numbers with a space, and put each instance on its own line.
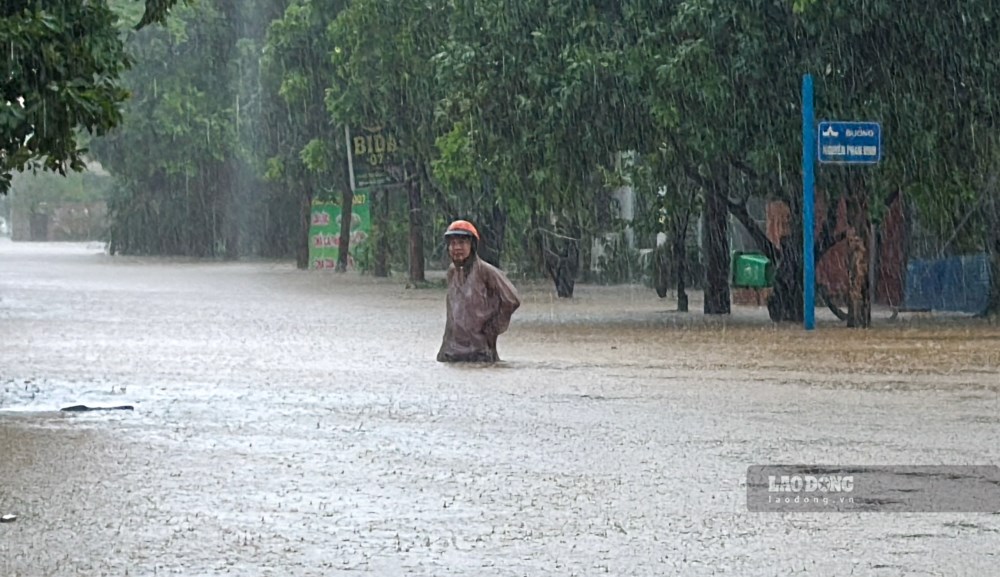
column 480, row 300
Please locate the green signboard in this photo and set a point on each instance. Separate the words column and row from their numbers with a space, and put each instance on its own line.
column 324, row 232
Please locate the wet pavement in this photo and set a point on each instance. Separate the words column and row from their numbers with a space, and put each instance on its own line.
column 296, row 423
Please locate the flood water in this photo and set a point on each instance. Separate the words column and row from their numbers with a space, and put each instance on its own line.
column 296, row 423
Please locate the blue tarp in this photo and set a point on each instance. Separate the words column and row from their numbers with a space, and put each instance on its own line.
column 958, row 283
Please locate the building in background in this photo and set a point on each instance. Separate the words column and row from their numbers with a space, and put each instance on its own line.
column 54, row 208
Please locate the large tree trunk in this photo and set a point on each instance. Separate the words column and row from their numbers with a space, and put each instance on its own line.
column 492, row 225
column 305, row 221
column 380, row 230
column 533, row 244
column 563, row 269
column 680, row 268
column 786, row 300
column 561, row 253
column 346, row 214
column 670, row 262
column 661, row 269
column 414, row 195
column 230, row 211
column 859, row 303
column 787, row 295
column 858, row 306
column 492, row 230
column 717, row 299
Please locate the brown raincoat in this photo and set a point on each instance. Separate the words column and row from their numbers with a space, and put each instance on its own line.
column 480, row 303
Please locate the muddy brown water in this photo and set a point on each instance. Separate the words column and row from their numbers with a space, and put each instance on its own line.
column 296, row 423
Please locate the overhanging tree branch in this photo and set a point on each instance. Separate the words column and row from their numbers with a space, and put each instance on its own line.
column 737, row 209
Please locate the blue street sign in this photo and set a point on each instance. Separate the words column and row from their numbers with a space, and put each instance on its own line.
column 849, row 142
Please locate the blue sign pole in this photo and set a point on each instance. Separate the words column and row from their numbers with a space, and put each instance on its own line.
column 808, row 191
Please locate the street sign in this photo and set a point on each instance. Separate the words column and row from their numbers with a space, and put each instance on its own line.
column 849, row 142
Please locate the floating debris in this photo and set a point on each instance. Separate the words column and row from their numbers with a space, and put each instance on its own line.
column 80, row 408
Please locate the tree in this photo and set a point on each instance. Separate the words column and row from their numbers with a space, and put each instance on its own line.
column 62, row 75
column 196, row 113
column 672, row 202
column 726, row 77
column 385, row 78
column 537, row 109
column 304, row 149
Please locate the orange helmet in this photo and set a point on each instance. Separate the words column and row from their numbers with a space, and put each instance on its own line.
column 462, row 228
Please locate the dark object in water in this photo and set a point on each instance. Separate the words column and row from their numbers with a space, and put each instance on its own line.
column 81, row 408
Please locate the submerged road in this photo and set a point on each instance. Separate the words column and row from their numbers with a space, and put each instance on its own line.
column 294, row 423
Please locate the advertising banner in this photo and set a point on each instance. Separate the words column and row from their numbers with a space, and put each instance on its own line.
column 324, row 232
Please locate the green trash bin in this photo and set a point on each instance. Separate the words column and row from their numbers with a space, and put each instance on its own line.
column 752, row 270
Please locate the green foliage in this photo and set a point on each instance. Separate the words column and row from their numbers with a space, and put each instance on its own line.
column 297, row 73
column 523, row 106
column 59, row 75
column 535, row 105
column 317, row 156
column 155, row 11
column 62, row 75
column 196, row 186
column 455, row 168
column 384, row 75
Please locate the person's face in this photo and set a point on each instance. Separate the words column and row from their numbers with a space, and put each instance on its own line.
column 459, row 248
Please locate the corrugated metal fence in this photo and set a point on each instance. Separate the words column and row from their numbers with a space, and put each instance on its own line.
column 957, row 283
